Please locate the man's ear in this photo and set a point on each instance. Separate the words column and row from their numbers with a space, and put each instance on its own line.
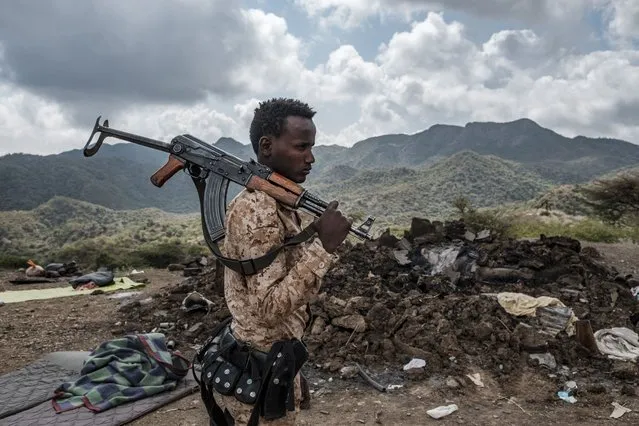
column 266, row 145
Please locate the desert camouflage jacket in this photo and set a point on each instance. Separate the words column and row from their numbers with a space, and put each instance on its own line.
column 270, row 305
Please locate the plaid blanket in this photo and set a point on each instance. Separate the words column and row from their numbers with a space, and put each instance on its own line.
column 122, row 370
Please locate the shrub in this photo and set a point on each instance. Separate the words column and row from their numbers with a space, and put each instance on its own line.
column 12, row 261
column 476, row 221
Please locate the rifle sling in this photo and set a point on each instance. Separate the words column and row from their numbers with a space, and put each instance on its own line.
column 254, row 265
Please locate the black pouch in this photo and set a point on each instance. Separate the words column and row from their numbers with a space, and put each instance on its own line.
column 248, row 387
column 225, row 378
column 279, row 392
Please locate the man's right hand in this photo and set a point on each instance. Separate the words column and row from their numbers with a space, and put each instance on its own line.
column 332, row 227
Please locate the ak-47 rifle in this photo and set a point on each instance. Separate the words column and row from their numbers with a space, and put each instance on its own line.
column 212, row 169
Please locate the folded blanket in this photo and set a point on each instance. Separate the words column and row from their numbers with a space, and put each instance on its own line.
column 120, row 371
column 618, row 343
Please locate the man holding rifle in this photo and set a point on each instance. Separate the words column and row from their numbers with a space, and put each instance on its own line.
column 272, row 305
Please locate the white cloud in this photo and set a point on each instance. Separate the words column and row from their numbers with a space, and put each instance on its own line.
column 433, row 72
column 623, row 20
column 278, row 54
column 166, row 121
column 351, row 13
column 244, row 111
column 31, row 124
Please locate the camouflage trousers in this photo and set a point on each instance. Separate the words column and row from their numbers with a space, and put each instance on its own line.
column 241, row 412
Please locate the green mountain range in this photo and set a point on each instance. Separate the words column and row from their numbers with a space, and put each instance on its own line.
column 389, row 176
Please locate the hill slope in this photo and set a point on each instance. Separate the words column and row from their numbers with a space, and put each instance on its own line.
column 118, row 176
column 398, row 194
column 63, row 229
column 558, row 158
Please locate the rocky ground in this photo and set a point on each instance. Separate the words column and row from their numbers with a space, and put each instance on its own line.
column 429, row 296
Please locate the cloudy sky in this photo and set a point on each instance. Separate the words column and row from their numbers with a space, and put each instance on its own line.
column 164, row 67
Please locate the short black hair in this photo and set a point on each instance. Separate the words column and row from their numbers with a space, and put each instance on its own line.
column 270, row 116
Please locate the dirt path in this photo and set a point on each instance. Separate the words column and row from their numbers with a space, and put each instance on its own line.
column 31, row 329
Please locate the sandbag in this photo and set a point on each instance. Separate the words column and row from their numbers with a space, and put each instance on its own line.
column 100, row 278
column 34, row 270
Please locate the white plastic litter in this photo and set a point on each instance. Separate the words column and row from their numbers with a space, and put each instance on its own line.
column 442, row 411
column 415, row 363
column 476, row 379
column 619, row 410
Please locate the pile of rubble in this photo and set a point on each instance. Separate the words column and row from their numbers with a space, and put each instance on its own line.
column 443, row 295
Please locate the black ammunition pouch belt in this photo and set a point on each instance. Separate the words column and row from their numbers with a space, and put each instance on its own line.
column 264, row 380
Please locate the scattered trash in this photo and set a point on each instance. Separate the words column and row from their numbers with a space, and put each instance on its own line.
column 441, row 260
column 566, row 397
column 618, row 343
column 554, row 319
column 442, row 411
column 415, row 363
column 554, row 316
column 393, row 387
column 570, row 386
column 545, row 360
column 195, row 301
column 370, row 380
column 619, row 410
column 566, row 394
column 476, row 379
column 635, row 292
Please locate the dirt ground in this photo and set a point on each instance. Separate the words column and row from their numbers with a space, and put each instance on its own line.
column 31, row 329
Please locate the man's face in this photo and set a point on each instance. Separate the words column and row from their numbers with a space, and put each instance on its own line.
column 291, row 154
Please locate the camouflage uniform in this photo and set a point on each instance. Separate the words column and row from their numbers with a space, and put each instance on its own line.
column 272, row 304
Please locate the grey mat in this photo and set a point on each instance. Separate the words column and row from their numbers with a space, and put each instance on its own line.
column 44, row 414
column 31, row 385
column 71, row 360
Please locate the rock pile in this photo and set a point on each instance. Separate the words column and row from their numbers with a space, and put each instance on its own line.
column 431, row 295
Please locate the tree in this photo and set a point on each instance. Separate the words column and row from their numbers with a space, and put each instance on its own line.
column 462, row 204
column 615, row 200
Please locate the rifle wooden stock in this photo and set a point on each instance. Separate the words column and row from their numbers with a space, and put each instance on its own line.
column 166, row 172
column 280, row 194
column 286, row 183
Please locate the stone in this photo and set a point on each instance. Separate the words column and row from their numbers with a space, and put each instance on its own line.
column 348, row 372
column 195, row 329
column 318, row 326
column 420, row 227
column 529, row 338
column 354, row 322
